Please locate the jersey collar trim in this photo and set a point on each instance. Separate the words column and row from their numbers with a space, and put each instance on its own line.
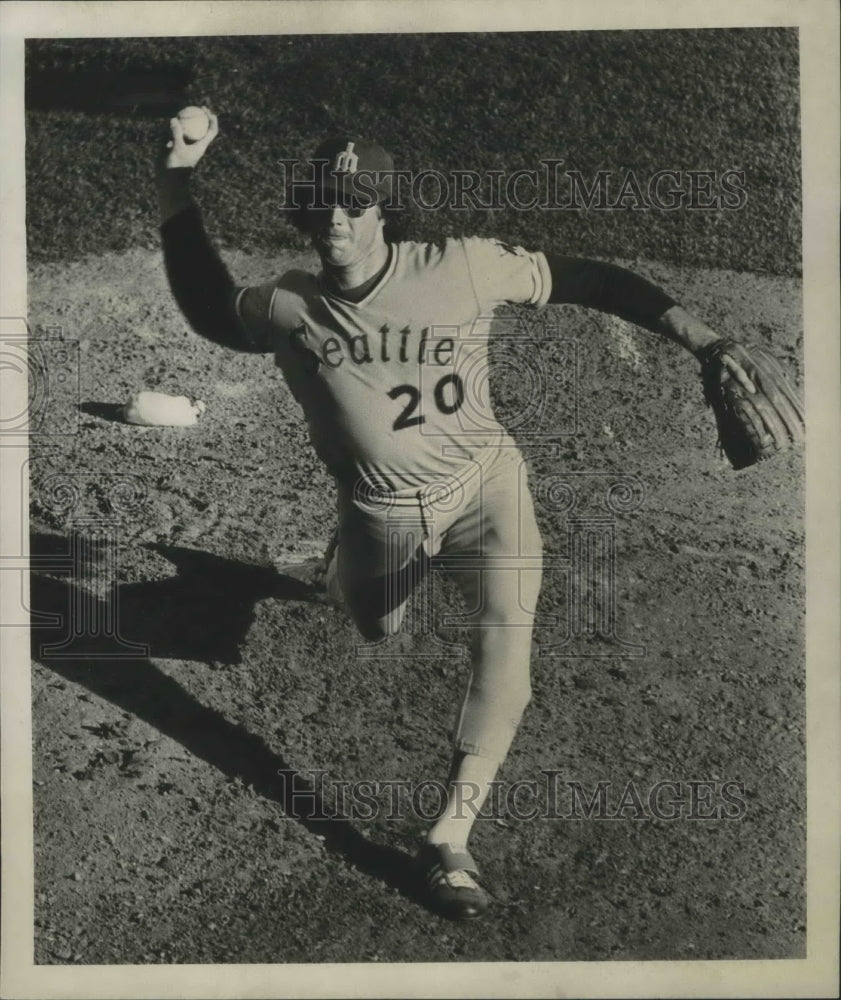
column 387, row 273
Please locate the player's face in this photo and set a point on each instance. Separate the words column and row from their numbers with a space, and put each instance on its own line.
column 344, row 237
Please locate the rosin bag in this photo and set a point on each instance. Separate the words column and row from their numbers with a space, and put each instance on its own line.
column 158, row 409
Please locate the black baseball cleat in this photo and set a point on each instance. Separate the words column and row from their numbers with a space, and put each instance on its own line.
column 446, row 874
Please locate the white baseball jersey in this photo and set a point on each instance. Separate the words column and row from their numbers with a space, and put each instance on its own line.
column 395, row 387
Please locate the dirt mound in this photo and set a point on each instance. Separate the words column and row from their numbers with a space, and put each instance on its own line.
column 171, row 755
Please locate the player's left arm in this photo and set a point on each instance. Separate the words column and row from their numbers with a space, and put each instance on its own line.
column 757, row 411
column 504, row 273
column 616, row 290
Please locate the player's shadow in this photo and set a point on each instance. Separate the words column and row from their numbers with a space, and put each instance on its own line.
column 203, row 613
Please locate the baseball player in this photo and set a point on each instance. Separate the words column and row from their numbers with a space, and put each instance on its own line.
column 384, row 349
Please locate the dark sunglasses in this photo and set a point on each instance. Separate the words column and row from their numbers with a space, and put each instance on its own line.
column 352, row 206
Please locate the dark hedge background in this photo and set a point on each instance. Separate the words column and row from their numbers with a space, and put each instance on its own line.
column 642, row 100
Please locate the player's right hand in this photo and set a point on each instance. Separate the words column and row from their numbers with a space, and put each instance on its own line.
column 179, row 153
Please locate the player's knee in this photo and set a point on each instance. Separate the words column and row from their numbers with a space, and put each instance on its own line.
column 370, row 627
column 373, row 631
column 511, row 608
column 504, row 622
column 374, row 627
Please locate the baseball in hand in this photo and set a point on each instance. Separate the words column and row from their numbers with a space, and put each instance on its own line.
column 194, row 122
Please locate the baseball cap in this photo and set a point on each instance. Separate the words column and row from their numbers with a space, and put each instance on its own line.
column 347, row 170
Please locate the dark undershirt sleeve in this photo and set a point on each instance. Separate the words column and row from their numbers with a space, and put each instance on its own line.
column 200, row 282
column 613, row 289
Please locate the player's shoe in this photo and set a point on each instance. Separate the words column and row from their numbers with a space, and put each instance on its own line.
column 447, row 876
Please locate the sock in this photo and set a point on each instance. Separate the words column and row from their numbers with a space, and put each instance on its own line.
column 468, row 787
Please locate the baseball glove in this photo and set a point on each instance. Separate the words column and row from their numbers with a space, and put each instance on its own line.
column 757, row 411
